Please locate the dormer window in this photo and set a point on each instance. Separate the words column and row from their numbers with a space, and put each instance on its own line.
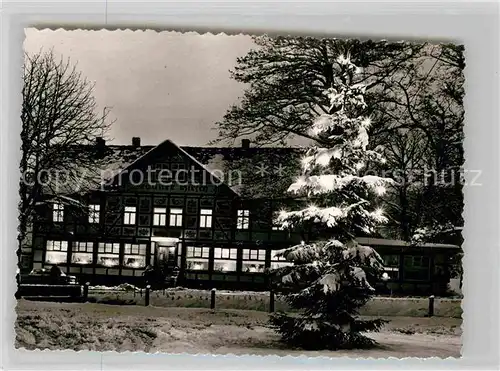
column 129, row 216
column 175, row 217
column 160, row 216
column 243, row 220
column 205, row 218
column 58, row 213
column 94, row 211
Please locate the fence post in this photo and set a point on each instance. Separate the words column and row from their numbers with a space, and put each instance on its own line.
column 431, row 306
column 86, row 291
column 212, row 299
column 147, row 295
column 271, row 301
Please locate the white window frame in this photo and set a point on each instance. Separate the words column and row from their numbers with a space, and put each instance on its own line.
column 254, row 254
column 175, row 219
column 225, row 253
column 135, row 251
column 58, row 212
column 57, row 249
column 243, row 219
column 227, row 258
column 109, row 250
column 82, row 246
column 197, row 252
column 129, row 215
column 53, row 245
column 197, row 257
column 84, row 249
column 160, row 216
column 253, row 260
column 205, row 218
column 94, row 213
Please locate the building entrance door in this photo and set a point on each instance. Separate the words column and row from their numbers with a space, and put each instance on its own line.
column 166, row 254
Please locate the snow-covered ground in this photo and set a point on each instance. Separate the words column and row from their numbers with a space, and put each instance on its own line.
column 101, row 327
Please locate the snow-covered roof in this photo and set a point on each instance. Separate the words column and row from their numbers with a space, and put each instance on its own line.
column 114, row 159
column 400, row 243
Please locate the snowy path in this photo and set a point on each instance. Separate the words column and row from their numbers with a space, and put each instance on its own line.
column 177, row 330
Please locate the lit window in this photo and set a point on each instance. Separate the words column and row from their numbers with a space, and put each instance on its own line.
column 225, row 259
column 82, row 252
column 129, row 217
column 160, row 216
column 205, row 218
column 224, row 253
column 56, row 252
column 108, row 254
column 58, row 213
column 176, row 217
column 243, row 220
column 57, row 246
column 197, row 252
column 134, row 255
column 94, row 213
column 251, row 254
column 253, row 260
column 197, row 257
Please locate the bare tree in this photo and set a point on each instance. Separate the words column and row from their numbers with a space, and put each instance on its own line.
column 427, row 100
column 59, row 119
column 406, row 155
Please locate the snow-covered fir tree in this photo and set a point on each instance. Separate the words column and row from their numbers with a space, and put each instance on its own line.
column 329, row 280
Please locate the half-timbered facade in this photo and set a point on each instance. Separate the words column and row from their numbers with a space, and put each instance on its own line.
column 161, row 207
column 165, row 209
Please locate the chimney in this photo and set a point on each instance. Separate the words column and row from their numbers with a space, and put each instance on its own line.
column 136, row 141
column 100, row 142
column 100, row 145
column 245, row 143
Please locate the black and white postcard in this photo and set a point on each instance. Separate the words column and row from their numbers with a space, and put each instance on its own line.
column 240, row 194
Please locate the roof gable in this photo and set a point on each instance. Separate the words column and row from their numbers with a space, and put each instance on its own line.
column 152, row 154
column 111, row 160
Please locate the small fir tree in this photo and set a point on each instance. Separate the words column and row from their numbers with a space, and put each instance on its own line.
column 328, row 281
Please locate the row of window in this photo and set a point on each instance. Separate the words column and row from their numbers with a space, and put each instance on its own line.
column 225, row 253
column 225, row 259
column 108, row 253
column 160, row 215
column 416, row 267
column 410, row 261
column 134, row 256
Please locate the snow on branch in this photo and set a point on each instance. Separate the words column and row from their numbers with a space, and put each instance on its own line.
column 359, row 276
column 301, row 253
column 330, row 282
column 298, row 273
column 320, row 184
column 327, row 122
column 330, row 215
column 366, row 255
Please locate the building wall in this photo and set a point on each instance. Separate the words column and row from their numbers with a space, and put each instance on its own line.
column 223, row 233
column 222, row 255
